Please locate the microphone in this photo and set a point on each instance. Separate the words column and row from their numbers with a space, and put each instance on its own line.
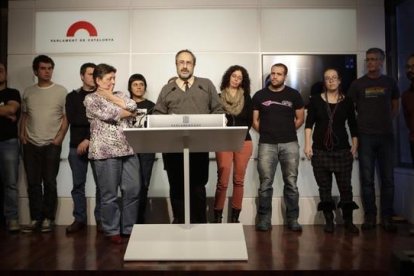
column 202, row 88
column 209, row 94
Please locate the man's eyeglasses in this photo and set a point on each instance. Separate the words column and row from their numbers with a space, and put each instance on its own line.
column 182, row 63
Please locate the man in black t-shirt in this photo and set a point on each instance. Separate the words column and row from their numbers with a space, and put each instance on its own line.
column 78, row 150
column 278, row 110
column 9, row 151
column 376, row 97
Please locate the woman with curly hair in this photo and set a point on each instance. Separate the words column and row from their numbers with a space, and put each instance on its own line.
column 237, row 103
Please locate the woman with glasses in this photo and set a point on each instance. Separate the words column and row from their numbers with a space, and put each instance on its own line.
column 331, row 153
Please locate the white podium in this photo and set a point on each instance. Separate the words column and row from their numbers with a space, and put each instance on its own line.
column 186, row 242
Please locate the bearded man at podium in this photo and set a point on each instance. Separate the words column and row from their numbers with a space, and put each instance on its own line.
column 188, row 95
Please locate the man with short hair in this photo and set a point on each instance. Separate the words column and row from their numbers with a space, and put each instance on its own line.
column 42, row 129
column 9, row 151
column 78, row 150
column 278, row 111
column 376, row 97
column 188, row 95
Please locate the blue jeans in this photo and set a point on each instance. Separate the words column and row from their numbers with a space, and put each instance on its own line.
column 79, row 166
column 42, row 167
column 269, row 155
column 377, row 150
column 112, row 173
column 9, row 167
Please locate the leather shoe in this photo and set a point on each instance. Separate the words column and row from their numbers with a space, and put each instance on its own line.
column 99, row 227
column 295, row 226
column 115, row 239
column 263, row 225
column 76, row 226
column 369, row 224
column 388, row 225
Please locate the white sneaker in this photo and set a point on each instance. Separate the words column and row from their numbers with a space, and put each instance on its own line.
column 32, row 227
column 47, row 226
column 13, row 225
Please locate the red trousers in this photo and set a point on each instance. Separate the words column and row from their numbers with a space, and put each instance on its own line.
column 225, row 161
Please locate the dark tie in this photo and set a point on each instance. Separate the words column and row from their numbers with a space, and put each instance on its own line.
column 186, row 86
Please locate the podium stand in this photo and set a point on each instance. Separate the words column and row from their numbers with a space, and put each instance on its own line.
column 186, row 242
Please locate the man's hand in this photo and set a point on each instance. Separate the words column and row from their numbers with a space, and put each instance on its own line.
column 83, row 147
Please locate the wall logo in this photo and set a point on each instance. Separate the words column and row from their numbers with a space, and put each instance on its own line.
column 82, row 31
column 91, row 30
column 81, row 25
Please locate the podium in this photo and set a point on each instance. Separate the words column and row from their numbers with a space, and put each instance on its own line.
column 186, row 242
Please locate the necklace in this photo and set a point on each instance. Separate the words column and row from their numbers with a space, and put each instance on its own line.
column 330, row 138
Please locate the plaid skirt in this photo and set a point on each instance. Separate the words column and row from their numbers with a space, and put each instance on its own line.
column 333, row 161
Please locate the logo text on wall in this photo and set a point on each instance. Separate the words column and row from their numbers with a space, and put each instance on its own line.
column 93, row 35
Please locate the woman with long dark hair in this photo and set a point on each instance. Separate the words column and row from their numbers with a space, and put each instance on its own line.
column 237, row 103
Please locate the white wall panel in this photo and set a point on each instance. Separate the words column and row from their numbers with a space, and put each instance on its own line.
column 67, row 69
column 167, row 30
column 308, row 30
column 371, row 27
column 19, row 71
column 21, row 33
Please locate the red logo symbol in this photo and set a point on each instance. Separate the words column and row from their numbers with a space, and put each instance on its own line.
column 81, row 25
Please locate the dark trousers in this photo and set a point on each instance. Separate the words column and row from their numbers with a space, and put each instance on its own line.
column 146, row 160
column 376, row 150
column 79, row 167
column 42, row 166
column 412, row 152
column 328, row 163
column 199, row 163
column 2, row 217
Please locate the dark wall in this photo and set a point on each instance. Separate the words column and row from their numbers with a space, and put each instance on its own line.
column 3, row 30
column 399, row 17
column 405, row 46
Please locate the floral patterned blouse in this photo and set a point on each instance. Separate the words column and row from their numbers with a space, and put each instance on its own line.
column 107, row 136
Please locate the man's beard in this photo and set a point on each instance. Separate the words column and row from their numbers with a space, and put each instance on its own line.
column 186, row 78
column 276, row 87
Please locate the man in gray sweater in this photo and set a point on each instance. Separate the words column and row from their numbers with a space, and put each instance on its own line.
column 188, row 95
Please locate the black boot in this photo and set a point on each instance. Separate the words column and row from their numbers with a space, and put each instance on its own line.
column 218, row 216
column 347, row 209
column 329, row 222
column 327, row 207
column 235, row 213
